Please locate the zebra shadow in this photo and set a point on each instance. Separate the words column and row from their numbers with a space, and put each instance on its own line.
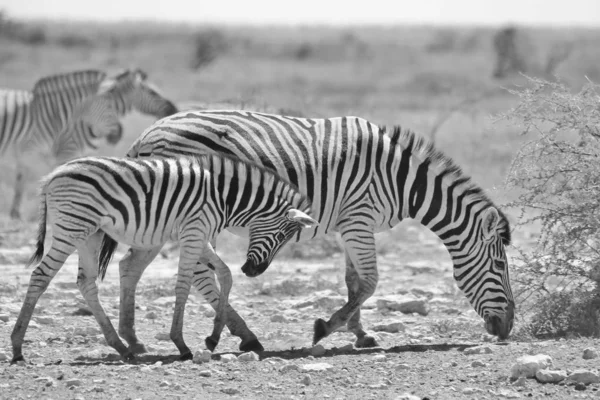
column 291, row 354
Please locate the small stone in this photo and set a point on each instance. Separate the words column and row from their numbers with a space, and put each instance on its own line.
column 392, row 327
column 590, row 353
column 230, row 391
column 202, row 356
column 151, row 315
column 408, row 396
column 306, row 380
column 164, row 384
column 580, row 386
column 205, row 373
column 210, row 313
column 44, row 320
column 346, row 348
column 249, row 356
column 405, row 305
column 162, row 336
column 316, row 367
column 477, row 363
column 402, row 367
column 509, row 394
column 288, row 367
column 4, row 317
column 478, row 350
column 3, row 356
column 177, row 386
column 379, row 358
column 21, row 363
column 98, row 389
column 317, row 350
column 527, row 366
column 550, row 376
column 46, row 380
column 278, row 318
column 73, row 382
column 521, row 381
column 228, row 358
column 584, row 376
column 469, row 390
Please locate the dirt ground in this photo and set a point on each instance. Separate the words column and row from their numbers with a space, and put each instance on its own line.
column 66, row 355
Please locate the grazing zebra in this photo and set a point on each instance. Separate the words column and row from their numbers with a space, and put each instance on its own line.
column 69, row 113
column 360, row 180
column 91, row 203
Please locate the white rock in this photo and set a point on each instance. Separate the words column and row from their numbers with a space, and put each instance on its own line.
column 391, row 327
column 205, row 373
column 315, row 367
column 478, row 350
column 404, row 304
column 228, row 358
column 584, row 376
column 509, row 394
column 550, row 376
column 151, row 315
column 407, row 396
column 402, row 367
column 3, row 356
column 44, row 320
column 73, row 382
column 590, row 353
column 288, row 367
column 249, row 356
column 379, row 358
column 202, row 356
column 166, row 301
column 4, row 317
column 306, row 380
column 162, row 336
column 477, row 363
column 521, row 381
column 527, row 366
column 164, row 384
column 317, row 350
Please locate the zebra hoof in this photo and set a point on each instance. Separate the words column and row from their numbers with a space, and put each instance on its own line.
column 16, row 359
column 138, row 348
column 253, row 345
column 320, row 330
column 186, row 356
column 366, row 342
column 128, row 356
column 211, row 343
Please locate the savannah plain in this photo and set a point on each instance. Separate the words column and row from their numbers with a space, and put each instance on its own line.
column 435, row 81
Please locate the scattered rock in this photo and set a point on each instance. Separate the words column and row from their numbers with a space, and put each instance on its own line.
column 315, row 367
column 405, row 305
column 408, row 396
column 210, row 313
column 44, row 320
column 162, row 336
column 164, row 384
column 306, row 380
column 379, row 358
column 580, row 386
column 345, row 348
column 509, row 394
column 3, row 356
column 4, row 317
column 205, row 373
column 167, row 301
column 228, row 358
column 249, row 356
column 520, row 382
column 46, row 380
column 288, row 367
column 527, row 366
column 86, row 331
column 230, row 391
column 550, row 376
column 392, row 327
column 317, row 350
column 202, row 356
column 477, row 363
column 73, row 382
column 151, row 315
column 402, row 367
column 485, row 349
column 278, row 318
column 590, row 353
column 584, row 376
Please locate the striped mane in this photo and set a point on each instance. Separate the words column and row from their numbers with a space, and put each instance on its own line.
column 89, row 80
column 423, row 149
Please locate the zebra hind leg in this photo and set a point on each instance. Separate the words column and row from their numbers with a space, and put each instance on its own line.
column 363, row 340
column 86, row 281
column 38, row 283
column 131, row 268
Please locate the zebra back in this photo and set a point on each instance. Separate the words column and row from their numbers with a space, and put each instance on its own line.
column 15, row 120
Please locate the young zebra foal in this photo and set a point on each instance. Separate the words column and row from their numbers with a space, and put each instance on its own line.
column 92, row 202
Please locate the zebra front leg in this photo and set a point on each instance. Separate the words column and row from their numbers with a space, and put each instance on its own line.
column 212, row 260
column 131, row 268
column 188, row 256
column 38, row 283
column 360, row 248
column 353, row 283
column 86, row 282
column 204, row 281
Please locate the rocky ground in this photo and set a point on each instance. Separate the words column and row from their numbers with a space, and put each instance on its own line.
column 432, row 344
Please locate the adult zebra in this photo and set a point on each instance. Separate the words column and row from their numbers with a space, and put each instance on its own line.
column 361, row 181
column 69, row 113
column 93, row 201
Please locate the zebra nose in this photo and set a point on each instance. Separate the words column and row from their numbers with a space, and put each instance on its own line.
column 251, row 269
column 501, row 326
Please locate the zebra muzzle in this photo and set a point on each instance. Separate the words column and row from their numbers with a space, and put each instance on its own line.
column 501, row 326
column 252, row 269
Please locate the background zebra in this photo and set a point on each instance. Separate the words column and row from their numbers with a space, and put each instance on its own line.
column 90, row 201
column 361, row 181
column 69, row 113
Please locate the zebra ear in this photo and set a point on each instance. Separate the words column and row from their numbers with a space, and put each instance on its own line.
column 302, row 218
column 490, row 222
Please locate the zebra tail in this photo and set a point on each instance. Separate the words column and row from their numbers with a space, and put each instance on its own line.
column 109, row 245
column 41, row 235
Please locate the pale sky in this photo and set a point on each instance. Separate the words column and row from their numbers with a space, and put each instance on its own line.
column 480, row 12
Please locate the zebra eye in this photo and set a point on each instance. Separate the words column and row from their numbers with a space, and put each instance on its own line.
column 501, row 265
column 280, row 236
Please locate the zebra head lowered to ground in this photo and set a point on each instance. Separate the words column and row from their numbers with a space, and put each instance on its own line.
column 361, row 180
column 94, row 202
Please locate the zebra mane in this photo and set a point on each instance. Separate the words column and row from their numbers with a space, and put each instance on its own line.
column 87, row 79
column 424, row 149
column 250, row 166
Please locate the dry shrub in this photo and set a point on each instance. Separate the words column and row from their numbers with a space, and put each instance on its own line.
column 557, row 177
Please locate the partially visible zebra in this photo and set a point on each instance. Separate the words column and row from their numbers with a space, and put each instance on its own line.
column 90, row 203
column 69, row 113
column 361, row 180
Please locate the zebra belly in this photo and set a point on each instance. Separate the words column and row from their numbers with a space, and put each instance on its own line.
column 141, row 238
